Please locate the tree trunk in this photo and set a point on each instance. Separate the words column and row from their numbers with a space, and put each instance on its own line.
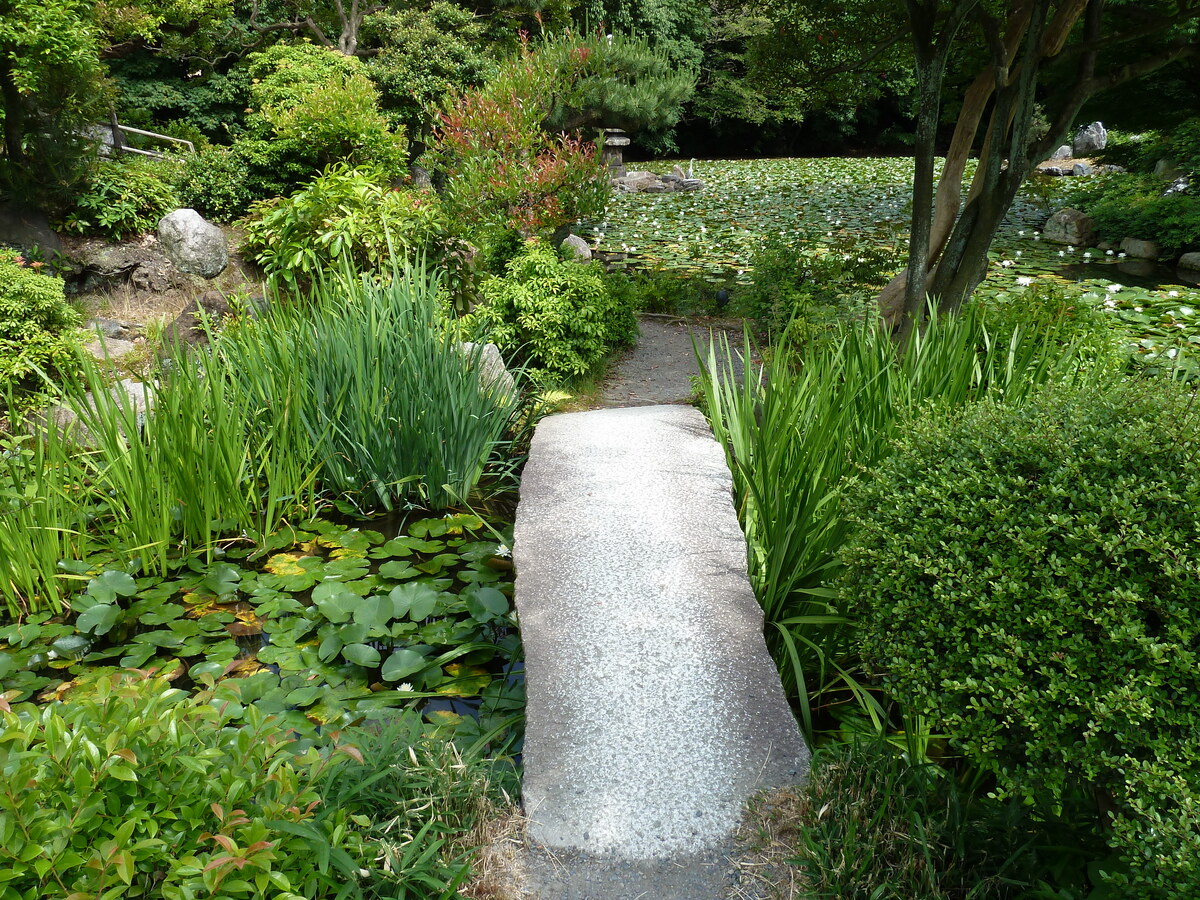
column 14, row 115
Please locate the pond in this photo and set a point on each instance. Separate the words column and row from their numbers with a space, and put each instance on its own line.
column 714, row 233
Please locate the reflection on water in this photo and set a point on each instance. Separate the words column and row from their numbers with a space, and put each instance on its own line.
column 1143, row 273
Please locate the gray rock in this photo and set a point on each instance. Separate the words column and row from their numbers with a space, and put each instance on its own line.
column 134, row 399
column 28, row 229
column 155, row 275
column 660, row 187
column 108, row 348
column 110, row 329
column 1167, row 169
column 1110, row 169
column 636, row 181
column 192, row 244
column 1063, row 152
column 1070, row 226
column 1082, row 169
column 1139, row 268
column 577, row 247
column 1190, row 261
column 421, row 179
column 189, row 326
column 1140, row 249
column 1090, row 139
column 1054, row 171
column 677, row 171
column 1178, row 186
column 493, row 373
column 691, row 184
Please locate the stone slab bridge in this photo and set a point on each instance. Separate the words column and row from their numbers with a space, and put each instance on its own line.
column 654, row 710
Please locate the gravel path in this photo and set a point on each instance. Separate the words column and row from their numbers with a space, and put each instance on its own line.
column 660, row 368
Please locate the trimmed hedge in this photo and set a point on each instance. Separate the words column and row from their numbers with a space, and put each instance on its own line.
column 1029, row 578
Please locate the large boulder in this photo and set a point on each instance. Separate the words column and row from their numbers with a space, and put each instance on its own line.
column 100, row 266
column 1063, row 152
column 194, row 245
column 27, row 228
column 1190, row 261
column 1140, row 249
column 1070, row 226
column 1090, row 139
column 1081, row 169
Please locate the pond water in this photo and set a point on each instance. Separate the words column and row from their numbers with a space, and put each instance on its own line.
column 714, row 233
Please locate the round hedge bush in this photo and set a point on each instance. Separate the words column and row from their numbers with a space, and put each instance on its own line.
column 1029, row 578
column 555, row 316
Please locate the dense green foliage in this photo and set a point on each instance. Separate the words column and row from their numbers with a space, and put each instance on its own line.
column 1029, row 579
column 795, row 435
column 36, row 325
column 425, row 56
column 122, row 197
column 138, row 791
column 318, row 107
column 556, row 316
column 345, row 216
column 807, row 287
column 214, row 181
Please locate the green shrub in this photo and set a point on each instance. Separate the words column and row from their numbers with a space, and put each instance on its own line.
column 1135, row 206
column 138, row 791
column 662, row 291
column 35, row 329
column 346, row 215
column 215, row 182
column 122, row 198
column 810, row 287
column 322, row 106
column 1030, row 580
column 556, row 316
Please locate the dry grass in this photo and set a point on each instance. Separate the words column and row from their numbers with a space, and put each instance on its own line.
column 498, row 869
column 766, row 843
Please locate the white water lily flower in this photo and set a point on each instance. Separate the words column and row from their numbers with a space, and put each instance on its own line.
column 1137, row 309
column 1024, row 281
column 1113, row 288
column 503, row 550
column 1007, row 263
column 1108, row 253
column 405, row 688
column 1110, row 303
column 1172, row 293
column 1087, row 254
column 1121, row 255
column 1070, row 249
column 1062, row 253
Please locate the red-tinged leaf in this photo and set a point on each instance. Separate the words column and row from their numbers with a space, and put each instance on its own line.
column 353, row 752
column 259, row 845
column 218, row 862
column 225, row 841
column 219, row 812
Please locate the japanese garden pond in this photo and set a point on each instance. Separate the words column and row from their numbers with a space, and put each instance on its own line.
column 713, row 234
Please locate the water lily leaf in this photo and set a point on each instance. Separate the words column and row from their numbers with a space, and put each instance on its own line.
column 397, row 570
column 112, row 584
column 223, row 579
column 292, row 571
column 362, row 655
column 335, row 602
column 438, row 563
column 486, row 604
column 415, row 600
column 402, row 663
column 100, row 619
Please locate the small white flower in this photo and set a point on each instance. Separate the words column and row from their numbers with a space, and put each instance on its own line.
column 1110, row 303
column 1113, row 288
column 1070, row 249
column 1137, row 309
column 405, row 688
column 1007, row 263
column 1024, row 281
column 1087, row 254
column 1062, row 253
column 1172, row 293
column 1108, row 253
column 1021, row 233
column 503, row 550
column 1121, row 255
